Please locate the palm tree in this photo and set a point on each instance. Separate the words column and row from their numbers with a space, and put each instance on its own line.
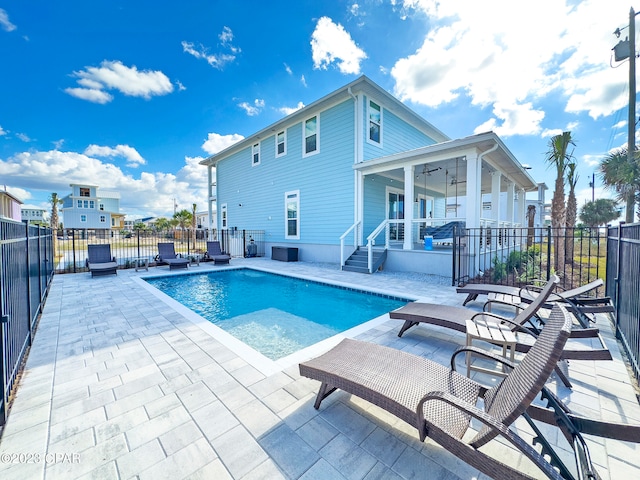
column 558, row 156
column 161, row 224
column 623, row 177
column 183, row 218
column 599, row 212
column 572, row 209
column 55, row 201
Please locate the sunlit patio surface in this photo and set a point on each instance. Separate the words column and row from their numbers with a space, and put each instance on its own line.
column 120, row 384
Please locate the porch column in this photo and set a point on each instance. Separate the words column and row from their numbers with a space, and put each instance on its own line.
column 408, row 208
column 495, row 197
column 358, row 213
column 473, row 205
column 522, row 207
column 511, row 190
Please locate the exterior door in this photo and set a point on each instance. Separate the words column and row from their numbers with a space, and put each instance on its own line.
column 395, row 211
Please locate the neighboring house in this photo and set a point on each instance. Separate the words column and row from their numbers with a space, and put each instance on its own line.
column 87, row 207
column 35, row 215
column 202, row 220
column 356, row 167
column 10, row 206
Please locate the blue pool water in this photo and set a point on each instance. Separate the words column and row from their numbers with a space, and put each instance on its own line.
column 274, row 314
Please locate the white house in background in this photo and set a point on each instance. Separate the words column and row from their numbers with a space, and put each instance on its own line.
column 35, row 215
column 88, row 207
column 202, row 220
column 359, row 168
column 10, row 206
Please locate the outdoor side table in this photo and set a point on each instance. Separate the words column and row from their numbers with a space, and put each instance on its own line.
column 141, row 262
column 491, row 331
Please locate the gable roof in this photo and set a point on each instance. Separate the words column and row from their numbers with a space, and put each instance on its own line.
column 361, row 85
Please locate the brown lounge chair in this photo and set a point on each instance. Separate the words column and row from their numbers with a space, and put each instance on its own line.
column 99, row 260
column 167, row 256
column 577, row 299
column 215, row 253
column 449, row 316
column 440, row 402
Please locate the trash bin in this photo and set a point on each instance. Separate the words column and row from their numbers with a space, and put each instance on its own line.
column 428, row 242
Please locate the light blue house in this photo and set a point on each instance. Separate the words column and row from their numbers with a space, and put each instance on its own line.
column 88, row 207
column 357, row 168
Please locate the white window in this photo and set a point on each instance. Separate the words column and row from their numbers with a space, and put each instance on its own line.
column 292, row 215
column 311, row 138
column 103, row 219
column 255, row 154
column 79, row 203
column 92, row 204
column 102, row 206
column 281, row 143
column 223, row 216
column 83, row 218
column 375, row 123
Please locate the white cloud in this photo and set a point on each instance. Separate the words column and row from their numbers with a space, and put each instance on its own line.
column 216, row 143
column 2, row 131
column 58, row 144
column 252, row 110
column 113, row 75
column 134, row 159
column 181, row 87
column 331, row 43
column 303, row 80
column 287, row 69
column 151, row 193
column 24, row 137
column 6, row 25
column 495, row 61
column 290, row 110
column 218, row 60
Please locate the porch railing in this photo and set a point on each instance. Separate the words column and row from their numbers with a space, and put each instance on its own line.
column 355, row 228
column 371, row 240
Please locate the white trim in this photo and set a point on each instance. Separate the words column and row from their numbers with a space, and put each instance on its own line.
column 317, row 134
column 291, row 196
column 255, row 151
column 368, row 119
column 284, row 152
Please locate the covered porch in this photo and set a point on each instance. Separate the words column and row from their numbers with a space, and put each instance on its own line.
column 418, row 201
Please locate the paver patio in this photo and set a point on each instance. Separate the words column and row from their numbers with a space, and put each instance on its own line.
column 119, row 384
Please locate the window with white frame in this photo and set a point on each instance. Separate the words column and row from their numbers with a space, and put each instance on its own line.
column 375, row 123
column 292, row 215
column 281, row 143
column 255, row 154
column 102, row 206
column 103, row 219
column 311, row 136
column 223, row 216
column 83, row 218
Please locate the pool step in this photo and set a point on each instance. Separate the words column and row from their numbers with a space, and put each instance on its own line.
column 358, row 261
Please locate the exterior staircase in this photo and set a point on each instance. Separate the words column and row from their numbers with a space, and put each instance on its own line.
column 358, row 261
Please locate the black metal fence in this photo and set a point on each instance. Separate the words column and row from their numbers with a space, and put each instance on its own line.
column 521, row 256
column 623, row 286
column 127, row 247
column 26, row 270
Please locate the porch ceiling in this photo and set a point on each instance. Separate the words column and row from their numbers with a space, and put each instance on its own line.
column 445, row 168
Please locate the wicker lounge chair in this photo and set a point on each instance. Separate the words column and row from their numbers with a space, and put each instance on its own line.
column 167, row 256
column 576, row 299
column 438, row 401
column 449, row 316
column 99, row 260
column 215, row 253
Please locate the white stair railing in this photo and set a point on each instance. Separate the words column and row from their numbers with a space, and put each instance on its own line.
column 371, row 241
column 355, row 241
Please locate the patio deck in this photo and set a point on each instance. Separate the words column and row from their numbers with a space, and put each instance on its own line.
column 120, row 385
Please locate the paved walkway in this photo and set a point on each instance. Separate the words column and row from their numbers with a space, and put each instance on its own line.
column 120, row 385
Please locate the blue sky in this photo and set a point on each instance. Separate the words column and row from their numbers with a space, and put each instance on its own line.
column 132, row 95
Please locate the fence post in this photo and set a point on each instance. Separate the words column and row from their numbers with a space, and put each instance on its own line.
column 28, row 275
column 549, row 253
column 73, row 248
column 453, row 256
column 617, row 279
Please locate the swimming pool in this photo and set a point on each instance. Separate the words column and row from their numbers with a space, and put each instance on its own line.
column 275, row 314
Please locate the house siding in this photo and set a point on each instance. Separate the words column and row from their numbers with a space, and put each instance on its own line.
column 255, row 194
column 397, row 135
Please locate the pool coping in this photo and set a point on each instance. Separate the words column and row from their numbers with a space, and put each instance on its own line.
column 260, row 362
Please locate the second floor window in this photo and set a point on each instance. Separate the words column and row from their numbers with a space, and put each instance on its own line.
column 85, row 192
column 255, row 154
column 311, row 134
column 375, row 122
column 281, row 144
